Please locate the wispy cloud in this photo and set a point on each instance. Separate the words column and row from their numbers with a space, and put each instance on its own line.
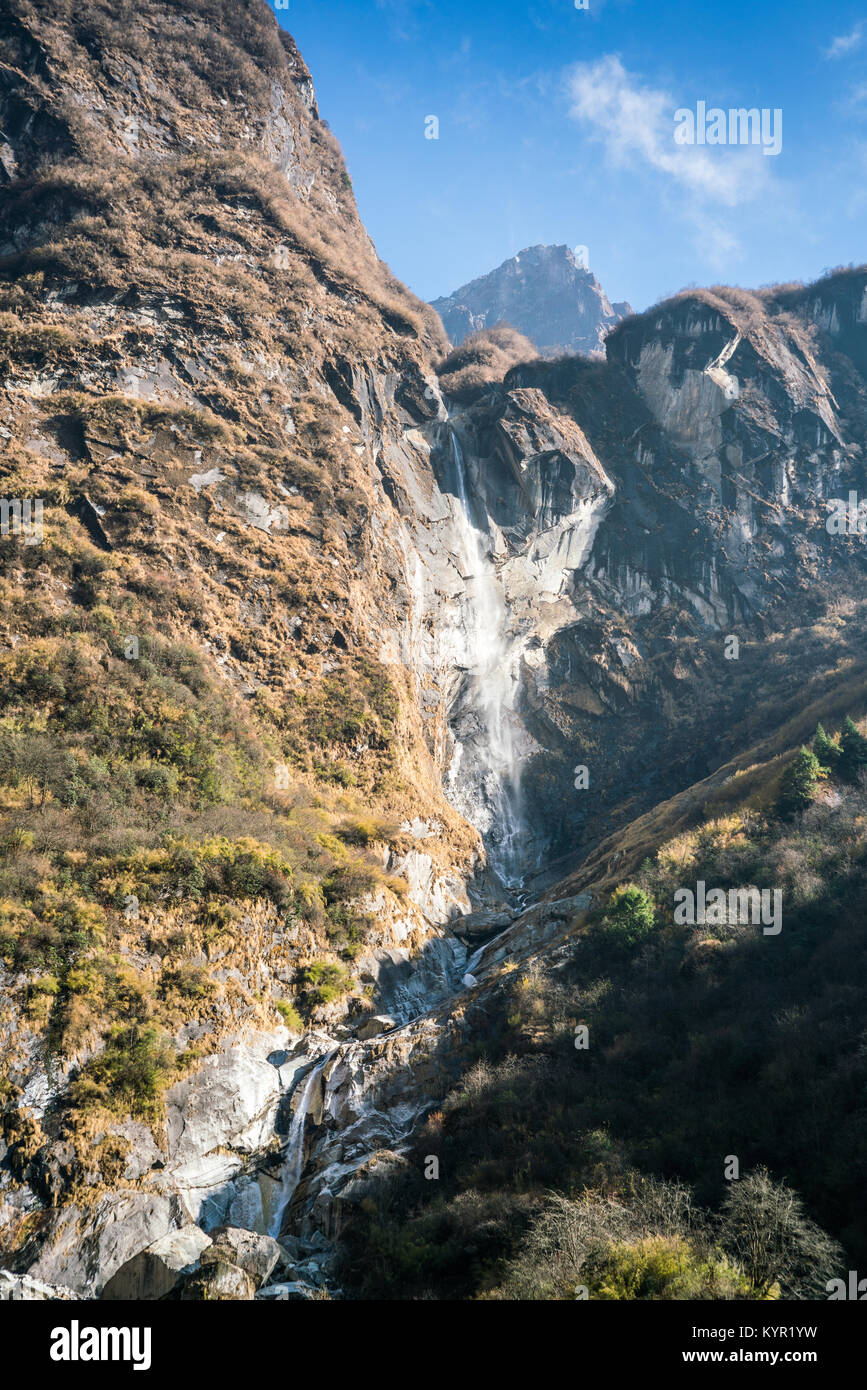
column 847, row 43
column 404, row 16
column 858, row 97
column 635, row 123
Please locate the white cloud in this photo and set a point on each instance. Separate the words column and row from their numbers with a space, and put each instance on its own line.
column 636, row 125
column 717, row 240
column 858, row 96
column 847, row 43
column 404, row 16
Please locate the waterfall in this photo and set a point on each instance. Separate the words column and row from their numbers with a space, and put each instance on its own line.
column 293, row 1163
column 484, row 779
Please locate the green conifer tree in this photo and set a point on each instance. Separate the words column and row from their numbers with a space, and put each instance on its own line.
column 798, row 784
column 827, row 750
column 853, row 751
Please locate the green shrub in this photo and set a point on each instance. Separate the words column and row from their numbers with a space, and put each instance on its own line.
column 160, row 778
column 659, row 1267
column 45, row 985
column 248, row 877
column 629, row 918
column 325, row 981
column 289, row 1015
column 130, row 1074
column 189, row 872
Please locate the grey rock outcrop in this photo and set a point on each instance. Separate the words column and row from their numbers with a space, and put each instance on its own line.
column 20, row 1288
column 481, row 924
column 218, row 1117
column 256, row 1255
column 219, row 1280
column 156, row 1271
column 376, row 1024
column 86, row 1247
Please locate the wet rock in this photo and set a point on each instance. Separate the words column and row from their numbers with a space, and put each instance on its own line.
column 217, row 1118
column 254, row 1202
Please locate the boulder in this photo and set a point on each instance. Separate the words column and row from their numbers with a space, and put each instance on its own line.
column 294, row 1292
column 376, row 1024
column 218, row 1281
column 481, row 924
column 156, row 1271
column 257, row 1255
column 85, row 1246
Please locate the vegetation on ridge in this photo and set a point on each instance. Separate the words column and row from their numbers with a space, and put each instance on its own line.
column 704, row 1042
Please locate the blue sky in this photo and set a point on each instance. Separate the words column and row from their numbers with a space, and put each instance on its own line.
column 556, row 124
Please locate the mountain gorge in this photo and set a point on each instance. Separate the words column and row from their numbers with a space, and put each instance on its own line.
column 341, row 708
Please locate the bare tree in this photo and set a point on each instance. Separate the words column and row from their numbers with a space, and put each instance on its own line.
column 763, row 1226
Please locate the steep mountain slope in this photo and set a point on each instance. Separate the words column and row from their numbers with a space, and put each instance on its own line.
column 210, row 734
column 544, row 292
column 301, row 656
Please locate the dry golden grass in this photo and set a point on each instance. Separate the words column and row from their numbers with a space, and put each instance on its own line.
column 483, row 358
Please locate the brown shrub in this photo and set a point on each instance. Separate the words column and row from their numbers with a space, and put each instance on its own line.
column 483, row 358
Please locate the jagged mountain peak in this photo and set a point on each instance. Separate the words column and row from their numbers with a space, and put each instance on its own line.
column 546, row 293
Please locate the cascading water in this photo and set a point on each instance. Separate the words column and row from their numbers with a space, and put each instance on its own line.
column 293, row 1164
column 484, row 779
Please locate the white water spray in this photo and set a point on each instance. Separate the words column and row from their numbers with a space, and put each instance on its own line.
column 484, row 779
column 293, row 1164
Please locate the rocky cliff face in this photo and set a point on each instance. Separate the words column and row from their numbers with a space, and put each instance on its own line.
column 378, row 633
column 545, row 293
column 638, row 513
